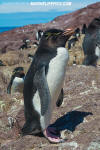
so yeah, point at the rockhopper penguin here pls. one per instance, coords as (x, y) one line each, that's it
(17, 81)
(43, 83)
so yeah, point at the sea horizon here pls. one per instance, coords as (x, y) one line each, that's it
(3, 29)
(10, 21)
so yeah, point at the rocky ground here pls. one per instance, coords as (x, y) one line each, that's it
(78, 118)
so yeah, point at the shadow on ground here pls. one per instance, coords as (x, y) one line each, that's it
(70, 121)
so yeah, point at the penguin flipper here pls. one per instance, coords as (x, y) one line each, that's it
(60, 98)
(10, 85)
(41, 84)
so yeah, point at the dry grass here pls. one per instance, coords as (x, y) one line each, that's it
(76, 52)
(18, 57)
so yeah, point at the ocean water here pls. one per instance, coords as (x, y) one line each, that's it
(2, 29)
(13, 20)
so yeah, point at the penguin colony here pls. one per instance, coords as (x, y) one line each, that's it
(43, 83)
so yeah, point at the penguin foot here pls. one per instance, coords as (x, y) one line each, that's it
(52, 135)
(29, 128)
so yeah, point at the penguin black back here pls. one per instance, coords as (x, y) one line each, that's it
(91, 42)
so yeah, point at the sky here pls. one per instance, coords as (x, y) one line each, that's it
(8, 8)
(13, 6)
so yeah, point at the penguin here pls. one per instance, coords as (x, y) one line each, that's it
(91, 43)
(35, 44)
(43, 83)
(39, 34)
(17, 81)
(72, 42)
(77, 32)
(1, 63)
(84, 28)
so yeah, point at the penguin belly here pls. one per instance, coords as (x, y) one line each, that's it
(17, 85)
(97, 51)
(55, 80)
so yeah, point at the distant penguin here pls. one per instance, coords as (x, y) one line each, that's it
(1, 63)
(30, 57)
(36, 44)
(17, 81)
(39, 34)
(72, 42)
(77, 32)
(25, 44)
(74, 61)
(43, 83)
(84, 28)
(91, 43)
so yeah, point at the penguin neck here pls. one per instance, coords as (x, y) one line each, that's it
(47, 50)
(18, 79)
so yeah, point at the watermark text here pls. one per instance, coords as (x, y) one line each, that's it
(51, 3)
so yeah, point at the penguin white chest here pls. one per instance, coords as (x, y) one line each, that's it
(18, 84)
(97, 51)
(55, 79)
(56, 72)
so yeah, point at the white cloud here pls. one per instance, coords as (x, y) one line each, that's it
(27, 7)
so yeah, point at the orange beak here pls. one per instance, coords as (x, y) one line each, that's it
(68, 31)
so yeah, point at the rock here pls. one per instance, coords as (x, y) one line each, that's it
(66, 134)
(94, 145)
(68, 145)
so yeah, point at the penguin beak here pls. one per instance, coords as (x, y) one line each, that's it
(68, 31)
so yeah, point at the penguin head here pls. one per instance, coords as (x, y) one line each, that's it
(1, 63)
(17, 72)
(40, 32)
(54, 38)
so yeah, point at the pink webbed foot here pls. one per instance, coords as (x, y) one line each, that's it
(52, 136)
